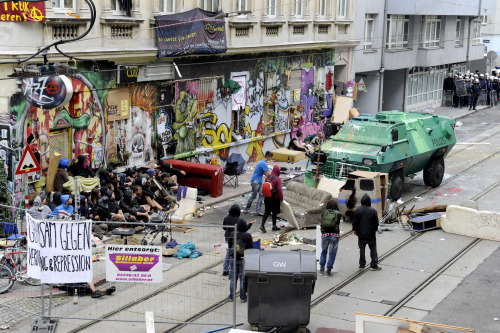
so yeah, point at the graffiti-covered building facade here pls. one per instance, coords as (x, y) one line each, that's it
(282, 65)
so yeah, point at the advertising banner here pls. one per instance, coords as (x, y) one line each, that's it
(133, 263)
(192, 32)
(19, 11)
(59, 251)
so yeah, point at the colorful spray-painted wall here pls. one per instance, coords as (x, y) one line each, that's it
(277, 96)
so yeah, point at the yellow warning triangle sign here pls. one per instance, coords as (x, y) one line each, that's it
(28, 162)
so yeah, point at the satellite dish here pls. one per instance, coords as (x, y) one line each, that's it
(492, 55)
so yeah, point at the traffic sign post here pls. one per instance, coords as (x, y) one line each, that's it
(27, 164)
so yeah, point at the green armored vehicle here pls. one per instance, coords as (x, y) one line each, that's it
(393, 142)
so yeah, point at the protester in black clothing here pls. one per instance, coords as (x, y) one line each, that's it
(231, 220)
(114, 207)
(131, 210)
(295, 144)
(244, 241)
(365, 226)
(56, 200)
(81, 167)
(101, 210)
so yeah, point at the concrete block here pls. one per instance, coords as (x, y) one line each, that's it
(470, 222)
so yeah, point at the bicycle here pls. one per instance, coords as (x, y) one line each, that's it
(14, 267)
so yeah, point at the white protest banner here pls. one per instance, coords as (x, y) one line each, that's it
(59, 251)
(133, 263)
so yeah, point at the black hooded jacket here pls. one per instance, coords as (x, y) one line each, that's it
(102, 210)
(232, 219)
(365, 220)
(77, 168)
(56, 200)
(243, 238)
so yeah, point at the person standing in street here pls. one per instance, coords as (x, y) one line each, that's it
(474, 94)
(232, 219)
(260, 170)
(272, 202)
(244, 241)
(330, 235)
(365, 226)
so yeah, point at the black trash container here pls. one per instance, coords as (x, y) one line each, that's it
(279, 286)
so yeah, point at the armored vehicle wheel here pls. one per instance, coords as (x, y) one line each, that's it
(397, 181)
(434, 172)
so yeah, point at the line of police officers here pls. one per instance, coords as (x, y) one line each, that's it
(469, 88)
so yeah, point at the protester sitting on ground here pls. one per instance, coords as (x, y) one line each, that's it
(87, 288)
(131, 210)
(114, 207)
(113, 186)
(61, 176)
(151, 173)
(39, 210)
(104, 176)
(95, 194)
(65, 210)
(101, 210)
(318, 140)
(56, 200)
(163, 193)
(145, 199)
(81, 167)
(295, 144)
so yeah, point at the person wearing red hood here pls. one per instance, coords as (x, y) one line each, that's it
(272, 204)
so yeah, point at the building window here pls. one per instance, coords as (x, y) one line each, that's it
(397, 31)
(476, 34)
(424, 89)
(242, 5)
(299, 8)
(242, 31)
(458, 31)
(272, 30)
(342, 10)
(167, 6)
(116, 8)
(368, 42)
(323, 29)
(431, 29)
(323, 7)
(271, 8)
(210, 5)
(63, 4)
(299, 30)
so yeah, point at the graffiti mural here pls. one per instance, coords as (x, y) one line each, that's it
(186, 110)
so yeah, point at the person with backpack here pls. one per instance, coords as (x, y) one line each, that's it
(365, 226)
(260, 170)
(330, 235)
(244, 241)
(232, 219)
(273, 195)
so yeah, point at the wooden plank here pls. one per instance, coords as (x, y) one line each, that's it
(150, 322)
(51, 172)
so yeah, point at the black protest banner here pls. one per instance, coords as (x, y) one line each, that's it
(59, 251)
(192, 32)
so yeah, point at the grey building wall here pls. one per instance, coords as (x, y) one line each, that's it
(364, 102)
(394, 90)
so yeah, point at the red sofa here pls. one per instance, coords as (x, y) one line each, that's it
(206, 176)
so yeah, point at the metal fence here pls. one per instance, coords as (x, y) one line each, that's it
(192, 297)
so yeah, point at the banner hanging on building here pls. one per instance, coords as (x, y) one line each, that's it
(193, 32)
(20, 11)
(59, 251)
